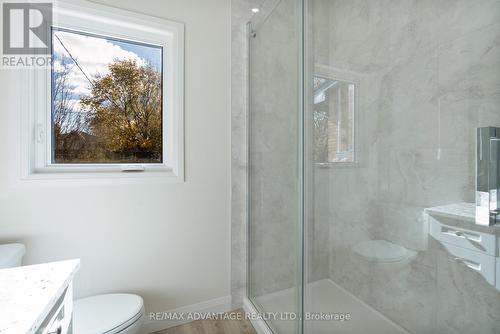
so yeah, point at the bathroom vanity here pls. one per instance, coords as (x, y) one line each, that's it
(37, 299)
(475, 246)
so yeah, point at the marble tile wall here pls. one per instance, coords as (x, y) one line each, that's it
(429, 75)
(274, 204)
(273, 152)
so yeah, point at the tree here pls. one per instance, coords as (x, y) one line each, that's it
(125, 112)
(69, 122)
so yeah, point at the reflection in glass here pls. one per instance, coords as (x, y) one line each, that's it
(334, 128)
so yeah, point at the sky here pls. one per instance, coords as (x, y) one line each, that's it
(93, 54)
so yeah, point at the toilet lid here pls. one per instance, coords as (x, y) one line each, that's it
(381, 251)
(106, 313)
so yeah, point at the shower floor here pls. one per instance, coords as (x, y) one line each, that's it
(325, 296)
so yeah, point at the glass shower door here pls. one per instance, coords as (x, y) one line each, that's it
(362, 188)
(275, 173)
(398, 89)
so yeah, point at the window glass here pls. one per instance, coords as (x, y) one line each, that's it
(106, 100)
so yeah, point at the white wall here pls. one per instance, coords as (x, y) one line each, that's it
(168, 242)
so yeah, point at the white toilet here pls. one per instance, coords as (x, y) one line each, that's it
(384, 253)
(110, 314)
(102, 314)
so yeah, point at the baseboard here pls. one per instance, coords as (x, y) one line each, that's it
(222, 304)
(259, 325)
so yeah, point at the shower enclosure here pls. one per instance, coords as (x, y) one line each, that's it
(362, 166)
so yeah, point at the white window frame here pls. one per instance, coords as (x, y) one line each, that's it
(105, 21)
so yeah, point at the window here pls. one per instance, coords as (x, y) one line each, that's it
(112, 99)
(334, 121)
(106, 100)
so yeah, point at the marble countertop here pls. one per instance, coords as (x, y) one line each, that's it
(461, 215)
(28, 293)
(464, 211)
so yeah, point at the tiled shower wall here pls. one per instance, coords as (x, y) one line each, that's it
(275, 205)
(428, 74)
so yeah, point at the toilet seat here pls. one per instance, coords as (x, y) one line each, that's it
(107, 314)
(381, 251)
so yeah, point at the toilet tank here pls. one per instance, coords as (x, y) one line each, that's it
(11, 255)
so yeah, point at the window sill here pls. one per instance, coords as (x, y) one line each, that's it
(76, 173)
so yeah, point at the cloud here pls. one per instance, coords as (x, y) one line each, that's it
(93, 54)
